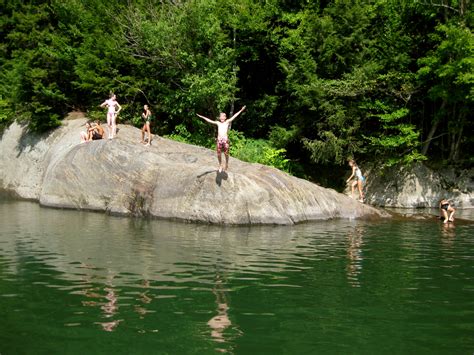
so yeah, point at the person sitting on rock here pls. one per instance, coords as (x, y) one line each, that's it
(445, 208)
(222, 139)
(359, 181)
(87, 134)
(98, 132)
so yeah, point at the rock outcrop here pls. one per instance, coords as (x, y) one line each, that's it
(418, 186)
(166, 180)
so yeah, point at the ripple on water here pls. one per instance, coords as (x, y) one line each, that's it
(297, 288)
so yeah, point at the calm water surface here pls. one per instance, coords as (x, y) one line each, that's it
(86, 283)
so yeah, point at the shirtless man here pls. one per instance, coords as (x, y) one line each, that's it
(222, 138)
(112, 114)
(98, 132)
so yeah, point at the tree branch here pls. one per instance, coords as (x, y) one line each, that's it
(424, 2)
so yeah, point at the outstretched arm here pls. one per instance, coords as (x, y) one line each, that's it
(206, 119)
(236, 114)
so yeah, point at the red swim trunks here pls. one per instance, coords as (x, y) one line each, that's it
(223, 143)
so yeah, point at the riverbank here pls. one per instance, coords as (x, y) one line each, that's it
(418, 186)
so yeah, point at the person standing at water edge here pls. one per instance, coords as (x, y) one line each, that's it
(359, 179)
(222, 137)
(112, 113)
(146, 126)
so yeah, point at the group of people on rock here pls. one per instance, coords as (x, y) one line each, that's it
(94, 130)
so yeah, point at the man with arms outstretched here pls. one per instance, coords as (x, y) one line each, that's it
(222, 138)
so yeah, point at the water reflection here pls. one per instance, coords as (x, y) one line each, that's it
(220, 322)
(448, 234)
(198, 288)
(448, 230)
(354, 254)
(144, 300)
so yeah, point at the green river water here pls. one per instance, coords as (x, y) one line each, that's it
(86, 283)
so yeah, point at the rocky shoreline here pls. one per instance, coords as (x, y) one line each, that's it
(418, 186)
(168, 179)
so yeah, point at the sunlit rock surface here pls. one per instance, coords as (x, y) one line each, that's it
(166, 180)
(418, 186)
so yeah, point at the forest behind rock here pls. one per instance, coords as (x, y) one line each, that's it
(385, 82)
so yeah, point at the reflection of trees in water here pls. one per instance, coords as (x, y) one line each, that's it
(354, 254)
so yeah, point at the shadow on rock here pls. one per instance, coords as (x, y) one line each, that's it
(221, 176)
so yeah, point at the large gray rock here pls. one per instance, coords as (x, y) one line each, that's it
(167, 180)
(418, 186)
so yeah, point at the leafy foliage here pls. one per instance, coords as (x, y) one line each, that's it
(384, 79)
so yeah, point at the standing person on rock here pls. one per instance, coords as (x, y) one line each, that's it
(112, 113)
(147, 116)
(359, 179)
(222, 137)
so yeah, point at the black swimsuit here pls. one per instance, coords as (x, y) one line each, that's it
(445, 206)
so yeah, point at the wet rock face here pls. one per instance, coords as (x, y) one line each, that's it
(418, 186)
(167, 180)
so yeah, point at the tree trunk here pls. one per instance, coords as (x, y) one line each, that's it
(433, 129)
(457, 142)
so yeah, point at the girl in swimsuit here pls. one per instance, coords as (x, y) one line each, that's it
(445, 208)
(359, 181)
(146, 126)
(87, 135)
(112, 114)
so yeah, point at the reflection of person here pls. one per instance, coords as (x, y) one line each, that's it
(359, 179)
(222, 138)
(448, 231)
(112, 113)
(110, 307)
(354, 254)
(220, 322)
(445, 208)
(146, 126)
(144, 299)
